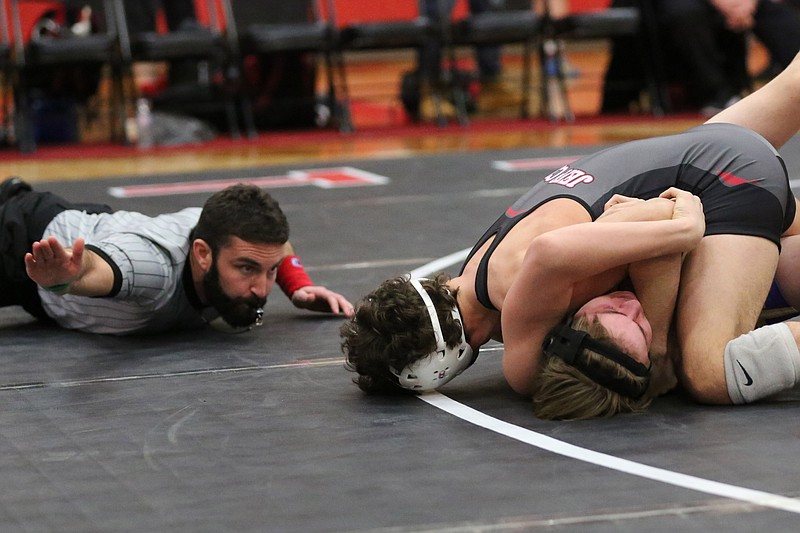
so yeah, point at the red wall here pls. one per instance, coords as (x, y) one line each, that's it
(347, 11)
(368, 10)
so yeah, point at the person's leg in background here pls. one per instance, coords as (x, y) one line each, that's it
(777, 26)
(180, 16)
(429, 58)
(495, 92)
(417, 88)
(488, 58)
(696, 31)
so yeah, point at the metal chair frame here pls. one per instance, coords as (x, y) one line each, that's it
(636, 21)
(101, 48)
(207, 44)
(319, 36)
(503, 27)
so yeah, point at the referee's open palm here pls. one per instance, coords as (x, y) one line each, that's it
(50, 264)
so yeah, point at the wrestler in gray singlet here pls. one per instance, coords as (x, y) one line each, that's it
(740, 178)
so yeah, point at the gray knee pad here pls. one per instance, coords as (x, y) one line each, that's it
(761, 363)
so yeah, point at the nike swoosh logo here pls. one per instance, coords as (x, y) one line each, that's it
(749, 379)
(511, 213)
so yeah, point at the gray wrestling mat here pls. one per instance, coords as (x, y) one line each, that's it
(263, 431)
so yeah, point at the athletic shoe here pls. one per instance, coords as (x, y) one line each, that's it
(498, 95)
(427, 109)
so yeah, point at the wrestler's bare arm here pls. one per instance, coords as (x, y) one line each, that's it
(580, 251)
(535, 303)
(559, 261)
(72, 270)
(655, 282)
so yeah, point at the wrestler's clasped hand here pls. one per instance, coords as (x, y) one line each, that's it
(687, 206)
(621, 208)
(620, 199)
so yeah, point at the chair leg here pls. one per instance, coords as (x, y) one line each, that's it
(653, 60)
(118, 109)
(246, 108)
(562, 84)
(455, 88)
(436, 96)
(651, 66)
(330, 90)
(230, 117)
(527, 52)
(5, 87)
(338, 101)
(655, 92)
(555, 83)
(343, 108)
(460, 101)
(23, 127)
(544, 94)
(229, 97)
(240, 100)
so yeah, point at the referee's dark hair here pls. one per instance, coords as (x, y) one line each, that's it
(242, 211)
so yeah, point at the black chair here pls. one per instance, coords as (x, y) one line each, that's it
(316, 34)
(414, 33)
(513, 26)
(45, 54)
(638, 22)
(203, 44)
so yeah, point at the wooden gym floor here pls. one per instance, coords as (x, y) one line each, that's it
(382, 129)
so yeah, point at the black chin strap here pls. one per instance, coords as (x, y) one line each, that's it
(566, 343)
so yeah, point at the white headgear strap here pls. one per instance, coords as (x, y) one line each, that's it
(443, 364)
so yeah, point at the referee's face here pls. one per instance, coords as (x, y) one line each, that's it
(237, 280)
(248, 270)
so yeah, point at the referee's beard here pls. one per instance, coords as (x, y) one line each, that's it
(238, 312)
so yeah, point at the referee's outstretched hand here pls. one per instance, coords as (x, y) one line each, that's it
(50, 264)
(317, 298)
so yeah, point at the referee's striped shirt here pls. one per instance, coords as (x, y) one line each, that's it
(147, 254)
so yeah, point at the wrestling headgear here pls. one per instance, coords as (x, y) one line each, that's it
(566, 343)
(443, 364)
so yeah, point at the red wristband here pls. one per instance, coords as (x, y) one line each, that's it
(291, 275)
